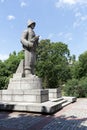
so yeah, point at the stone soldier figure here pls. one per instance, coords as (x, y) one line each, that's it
(29, 41)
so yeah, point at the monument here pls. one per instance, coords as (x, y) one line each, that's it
(25, 73)
(29, 41)
(24, 92)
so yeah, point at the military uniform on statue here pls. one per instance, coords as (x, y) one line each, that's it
(25, 72)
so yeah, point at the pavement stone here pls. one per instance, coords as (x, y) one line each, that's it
(71, 117)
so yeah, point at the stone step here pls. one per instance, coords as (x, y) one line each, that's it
(57, 99)
(66, 103)
(62, 101)
(46, 107)
(70, 99)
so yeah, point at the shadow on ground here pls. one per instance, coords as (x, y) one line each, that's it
(67, 123)
(30, 121)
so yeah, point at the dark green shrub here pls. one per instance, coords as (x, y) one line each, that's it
(82, 88)
(70, 88)
(76, 87)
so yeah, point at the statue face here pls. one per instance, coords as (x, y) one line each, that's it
(32, 26)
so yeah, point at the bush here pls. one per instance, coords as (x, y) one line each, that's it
(82, 89)
(76, 87)
(70, 88)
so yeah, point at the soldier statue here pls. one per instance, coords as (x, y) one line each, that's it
(29, 41)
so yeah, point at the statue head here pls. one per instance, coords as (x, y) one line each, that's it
(30, 23)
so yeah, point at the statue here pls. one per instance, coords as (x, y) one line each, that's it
(29, 41)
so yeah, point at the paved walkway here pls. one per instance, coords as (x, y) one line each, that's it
(72, 117)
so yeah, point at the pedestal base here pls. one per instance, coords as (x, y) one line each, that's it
(46, 107)
(28, 96)
(54, 93)
(28, 100)
(33, 101)
(25, 93)
(31, 82)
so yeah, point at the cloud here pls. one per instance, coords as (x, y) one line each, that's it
(77, 14)
(62, 3)
(65, 36)
(85, 35)
(10, 17)
(68, 36)
(60, 34)
(3, 57)
(83, 18)
(2, 1)
(23, 4)
(51, 35)
(80, 19)
(76, 24)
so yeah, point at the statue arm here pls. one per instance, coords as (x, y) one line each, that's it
(34, 39)
(24, 38)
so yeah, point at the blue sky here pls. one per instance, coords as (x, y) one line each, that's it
(57, 20)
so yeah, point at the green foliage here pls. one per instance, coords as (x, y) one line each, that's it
(74, 70)
(83, 65)
(12, 62)
(75, 87)
(70, 88)
(82, 89)
(78, 69)
(52, 63)
(8, 67)
(2, 74)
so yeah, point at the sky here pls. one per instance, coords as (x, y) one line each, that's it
(58, 20)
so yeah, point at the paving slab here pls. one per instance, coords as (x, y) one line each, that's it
(71, 117)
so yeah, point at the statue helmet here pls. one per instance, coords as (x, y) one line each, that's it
(30, 22)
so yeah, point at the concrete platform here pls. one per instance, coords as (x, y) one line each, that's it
(33, 100)
(70, 99)
(46, 107)
(29, 96)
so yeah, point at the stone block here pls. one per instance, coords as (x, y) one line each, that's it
(6, 92)
(17, 92)
(30, 98)
(25, 83)
(70, 99)
(54, 93)
(6, 98)
(17, 98)
(0, 92)
(20, 107)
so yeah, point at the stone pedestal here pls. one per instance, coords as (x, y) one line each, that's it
(54, 93)
(31, 82)
(25, 93)
(28, 96)
(19, 81)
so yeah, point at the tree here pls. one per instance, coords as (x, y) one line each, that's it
(2, 74)
(52, 63)
(77, 85)
(79, 68)
(83, 65)
(8, 67)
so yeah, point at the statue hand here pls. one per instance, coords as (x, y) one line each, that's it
(36, 38)
(30, 44)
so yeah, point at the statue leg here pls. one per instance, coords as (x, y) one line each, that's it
(27, 67)
(33, 60)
